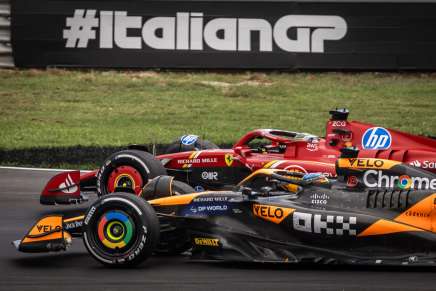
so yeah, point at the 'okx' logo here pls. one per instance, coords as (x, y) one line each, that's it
(373, 178)
(376, 138)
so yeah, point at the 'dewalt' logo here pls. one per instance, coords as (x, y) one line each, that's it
(205, 241)
(272, 213)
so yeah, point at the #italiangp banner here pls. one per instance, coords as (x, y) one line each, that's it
(258, 35)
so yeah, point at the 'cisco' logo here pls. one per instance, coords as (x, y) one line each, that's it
(376, 138)
(189, 139)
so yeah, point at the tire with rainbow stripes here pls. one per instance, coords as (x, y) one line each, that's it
(121, 229)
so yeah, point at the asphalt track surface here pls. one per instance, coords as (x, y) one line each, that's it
(76, 270)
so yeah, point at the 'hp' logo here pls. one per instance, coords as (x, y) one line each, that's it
(189, 139)
(376, 138)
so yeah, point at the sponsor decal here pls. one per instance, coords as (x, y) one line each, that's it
(228, 158)
(416, 164)
(319, 199)
(424, 164)
(90, 214)
(44, 228)
(209, 208)
(213, 208)
(324, 224)
(413, 259)
(366, 163)
(376, 138)
(209, 205)
(373, 178)
(212, 176)
(204, 241)
(193, 159)
(188, 139)
(339, 123)
(429, 165)
(211, 199)
(68, 187)
(191, 31)
(271, 213)
(198, 188)
(404, 182)
(416, 214)
(198, 161)
(312, 147)
(74, 224)
(132, 255)
(352, 181)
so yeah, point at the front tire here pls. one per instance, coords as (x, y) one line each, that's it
(120, 229)
(127, 171)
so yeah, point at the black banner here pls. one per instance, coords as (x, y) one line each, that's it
(202, 34)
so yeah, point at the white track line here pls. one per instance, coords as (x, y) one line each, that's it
(41, 169)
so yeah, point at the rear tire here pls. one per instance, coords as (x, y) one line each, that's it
(180, 188)
(196, 145)
(127, 171)
(174, 239)
(120, 229)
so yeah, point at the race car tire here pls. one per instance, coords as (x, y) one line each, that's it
(127, 171)
(120, 229)
(178, 146)
(165, 186)
(181, 188)
(174, 238)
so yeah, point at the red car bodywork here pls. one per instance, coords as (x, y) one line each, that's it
(218, 168)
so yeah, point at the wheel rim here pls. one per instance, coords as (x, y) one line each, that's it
(125, 177)
(115, 230)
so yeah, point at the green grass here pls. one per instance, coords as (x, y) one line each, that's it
(64, 108)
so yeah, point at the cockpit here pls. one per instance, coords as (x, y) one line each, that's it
(271, 140)
(271, 182)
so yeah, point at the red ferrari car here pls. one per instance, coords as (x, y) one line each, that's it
(203, 166)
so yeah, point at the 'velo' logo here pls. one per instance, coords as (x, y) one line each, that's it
(271, 213)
